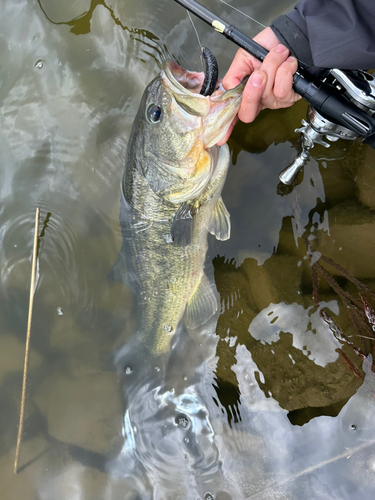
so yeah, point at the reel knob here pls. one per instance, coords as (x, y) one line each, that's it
(289, 174)
(313, 133)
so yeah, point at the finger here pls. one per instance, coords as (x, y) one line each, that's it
(242, 65)
(282, 89)
(271, 64)
(227, 135)
(252, 96)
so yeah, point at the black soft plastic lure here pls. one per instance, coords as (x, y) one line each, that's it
(211, 72)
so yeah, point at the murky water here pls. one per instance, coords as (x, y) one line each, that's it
(263, 401)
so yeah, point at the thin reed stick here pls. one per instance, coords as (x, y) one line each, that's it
(27, 349)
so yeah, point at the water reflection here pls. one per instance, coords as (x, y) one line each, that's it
(325, 468)
(269, 405)
(81, 24)
(306, 326)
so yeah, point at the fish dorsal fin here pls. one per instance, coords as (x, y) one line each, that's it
(118, 271)
(202, 305)
(121, 271)
(219, 224)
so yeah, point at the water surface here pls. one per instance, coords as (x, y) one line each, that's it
(260, 402)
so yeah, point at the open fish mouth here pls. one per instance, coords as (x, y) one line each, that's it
(186, 81)
(217, 110)
(205, 83)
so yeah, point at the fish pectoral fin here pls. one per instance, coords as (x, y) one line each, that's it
(185, 211)
(183, 225)
(219, 224)
(202, 305)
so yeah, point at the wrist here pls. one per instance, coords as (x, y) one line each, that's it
(267, 39)
(293, 38)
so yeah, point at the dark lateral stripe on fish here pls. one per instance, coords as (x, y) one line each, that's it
(211, 72)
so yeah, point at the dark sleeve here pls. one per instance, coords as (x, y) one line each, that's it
(330, 33)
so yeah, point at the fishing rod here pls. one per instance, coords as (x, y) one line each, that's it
(341, 102)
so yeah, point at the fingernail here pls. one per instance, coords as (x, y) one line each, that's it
(291, 59)
(256, 80)
(280, 48)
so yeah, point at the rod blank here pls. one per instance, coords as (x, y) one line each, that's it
(229, 31)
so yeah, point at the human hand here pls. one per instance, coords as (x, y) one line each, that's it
(270, 82)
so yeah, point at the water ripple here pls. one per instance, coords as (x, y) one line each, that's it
(66, 256)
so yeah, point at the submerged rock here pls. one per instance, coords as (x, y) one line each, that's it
(365, 179)
(338, 183)
(86, 346)
(48, 471)
(35, 462)
(83, 351)
(293, 349)
(12, 356)
(296, 381)
(84, 411)
(277, 280)
(351, 239)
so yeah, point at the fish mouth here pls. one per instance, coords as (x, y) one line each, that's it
(188, 82)
(183, 79)
(216, 110)
(205, 83)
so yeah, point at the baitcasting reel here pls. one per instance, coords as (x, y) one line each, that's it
(356, 86)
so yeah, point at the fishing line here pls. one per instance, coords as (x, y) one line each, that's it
(243, 13)
(196, 32)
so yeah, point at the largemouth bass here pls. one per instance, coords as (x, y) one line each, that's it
(174, 175)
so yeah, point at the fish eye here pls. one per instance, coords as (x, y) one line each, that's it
(154, 113)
